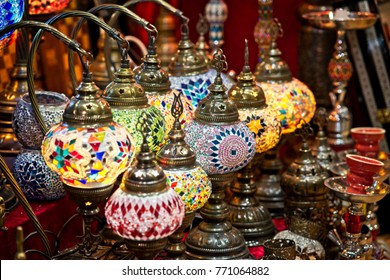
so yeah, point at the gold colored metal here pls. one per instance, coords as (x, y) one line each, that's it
(303, 183)
(124, 91)
(175, 248)
(151, 76)
(383, 115)
(215, 238)
(274, 68)
(217, 107)
(166, 42)
(187, 60)
(146, 250)
(246, 214)
(202, 27)
(19, 255)
(87, 107)
(176, 153)
(246, 93)
(321, 149)
(2, 214)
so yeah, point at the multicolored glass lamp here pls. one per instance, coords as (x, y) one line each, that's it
(216, 12)
(223, 145)
(144, 210)
(45, 7)
(251, 218)
(189, 71)
(262, 37)
(11, 12)
(129, 102)
(184, 176)
(292, 98)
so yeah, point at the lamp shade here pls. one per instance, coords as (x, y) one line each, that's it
(11, 11)
(221, 142)
(88, 149)
(43, 7)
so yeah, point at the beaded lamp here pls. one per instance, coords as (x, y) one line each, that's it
(216, 12)
(222, 145)
(129, 102)
(251, 218)
(292, 98)
(189, 71)
(184, 176)
(144, 210)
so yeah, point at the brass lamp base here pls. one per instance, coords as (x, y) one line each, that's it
(88, 200)
(246, 214)
(215, 238)
(146, 250)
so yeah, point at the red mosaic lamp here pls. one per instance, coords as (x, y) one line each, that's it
(144, 210)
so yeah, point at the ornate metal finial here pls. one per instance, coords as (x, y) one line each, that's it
(320, 118)
(219, 62)
(20, 254)
(142, 128)
(177, 107)
(246, 68)
(202, 26)
(275, 29)
(2, 214)
(304, 130)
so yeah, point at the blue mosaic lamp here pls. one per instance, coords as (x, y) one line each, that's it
(189, 71)
(11, 11)
(223, 145)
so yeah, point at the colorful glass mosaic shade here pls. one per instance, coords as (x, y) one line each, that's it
(164, 104)
(144, 217)
(192, 185)
(88, 157)
(221, 149)
(156, 129)
(294, 101)
(195, 87)
(41, 7)
(264, 124)
(11, 11)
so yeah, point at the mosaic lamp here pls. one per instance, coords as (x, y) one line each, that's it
(189, 71)
(11, 12)
(184, 176)
(251, 218)
(144, 210)
(223, 145)
(216, 12)
(152, 77)
(292, 98)
(89, 151)
(129, 102)
(44, 7)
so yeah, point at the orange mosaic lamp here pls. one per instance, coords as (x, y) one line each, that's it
(291, 97)
(44, 7)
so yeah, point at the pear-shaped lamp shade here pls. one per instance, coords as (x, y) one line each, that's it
(128, 103)
(44, 7)
(88, 149)
(11, 11)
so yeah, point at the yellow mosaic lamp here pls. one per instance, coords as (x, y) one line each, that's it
(291, 97)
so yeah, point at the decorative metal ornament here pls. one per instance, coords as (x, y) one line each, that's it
(222, 145)
(303, 184)
(190, 72)
(321, 150)
(293, 99)
(184, 176)
(129, 102)
(144, 210)
(201, 45)
(216, 12)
